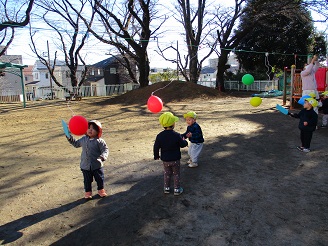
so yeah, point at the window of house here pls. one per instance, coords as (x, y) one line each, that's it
(112, 70)
(36, 76)
(47, 76)
(26, 78)
(99, 71)
(92, 72)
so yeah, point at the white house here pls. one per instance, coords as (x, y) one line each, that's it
(43, 81)
(61, 72)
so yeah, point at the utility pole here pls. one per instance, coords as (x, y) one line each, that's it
(50, 80)
(177, 60)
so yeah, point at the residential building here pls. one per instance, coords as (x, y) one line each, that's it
(109, 71)
(29, 83)
(10, 80)
(43, 84)
(232, 61)
(207, 74)
(61, 73)
(28, 74)
(159, 70)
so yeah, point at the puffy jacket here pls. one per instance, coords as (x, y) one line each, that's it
(92, 150)
(309, 116)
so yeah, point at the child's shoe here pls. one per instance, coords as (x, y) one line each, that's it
(306, 150)
(102, 193)
(300, 148)
(166, 190)
(178, 191)
(193, 164)
(88, 195)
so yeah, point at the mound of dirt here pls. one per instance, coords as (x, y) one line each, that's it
(168, 91)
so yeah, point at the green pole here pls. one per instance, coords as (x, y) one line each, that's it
(23, 87)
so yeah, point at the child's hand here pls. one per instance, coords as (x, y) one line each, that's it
(305, 123)
(189, 135)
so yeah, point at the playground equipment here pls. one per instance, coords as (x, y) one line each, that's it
(295, 90)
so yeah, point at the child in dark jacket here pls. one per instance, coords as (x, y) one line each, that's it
(195, 135)
(167, 148)
(307, 124)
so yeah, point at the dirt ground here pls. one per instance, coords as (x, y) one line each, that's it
(252, 186)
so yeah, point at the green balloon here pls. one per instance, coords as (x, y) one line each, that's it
(247, 79)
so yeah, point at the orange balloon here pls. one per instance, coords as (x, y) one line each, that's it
(154, 104)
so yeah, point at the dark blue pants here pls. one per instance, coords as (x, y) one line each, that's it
(306, 138)
(88, 176)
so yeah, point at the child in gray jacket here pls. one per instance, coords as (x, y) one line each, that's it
(94, 153)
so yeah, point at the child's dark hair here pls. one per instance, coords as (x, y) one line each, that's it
(94, 126)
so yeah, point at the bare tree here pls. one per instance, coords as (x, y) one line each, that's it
(317, 6)
(11, 18)
(226, 19)
(196, 22)
(72, 38)
(230, 35)
(126, 26)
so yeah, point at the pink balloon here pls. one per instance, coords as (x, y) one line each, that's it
(78, 125)
(154, 104)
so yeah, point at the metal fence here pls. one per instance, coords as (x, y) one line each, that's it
(258, 85)
(108, 90)
(45, 93)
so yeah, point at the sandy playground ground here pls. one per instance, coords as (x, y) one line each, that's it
(252, 187)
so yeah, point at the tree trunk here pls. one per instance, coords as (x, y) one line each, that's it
(193, 67)
(143, 67)
(74, 81)
(223, 58)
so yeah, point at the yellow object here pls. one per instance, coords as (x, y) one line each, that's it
(325, 93)
(167, 119)
(190, 114)
(312, 94)
(256, 101)
(312, 101)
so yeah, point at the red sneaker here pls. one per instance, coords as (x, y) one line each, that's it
(102, 193)
(88, 195)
